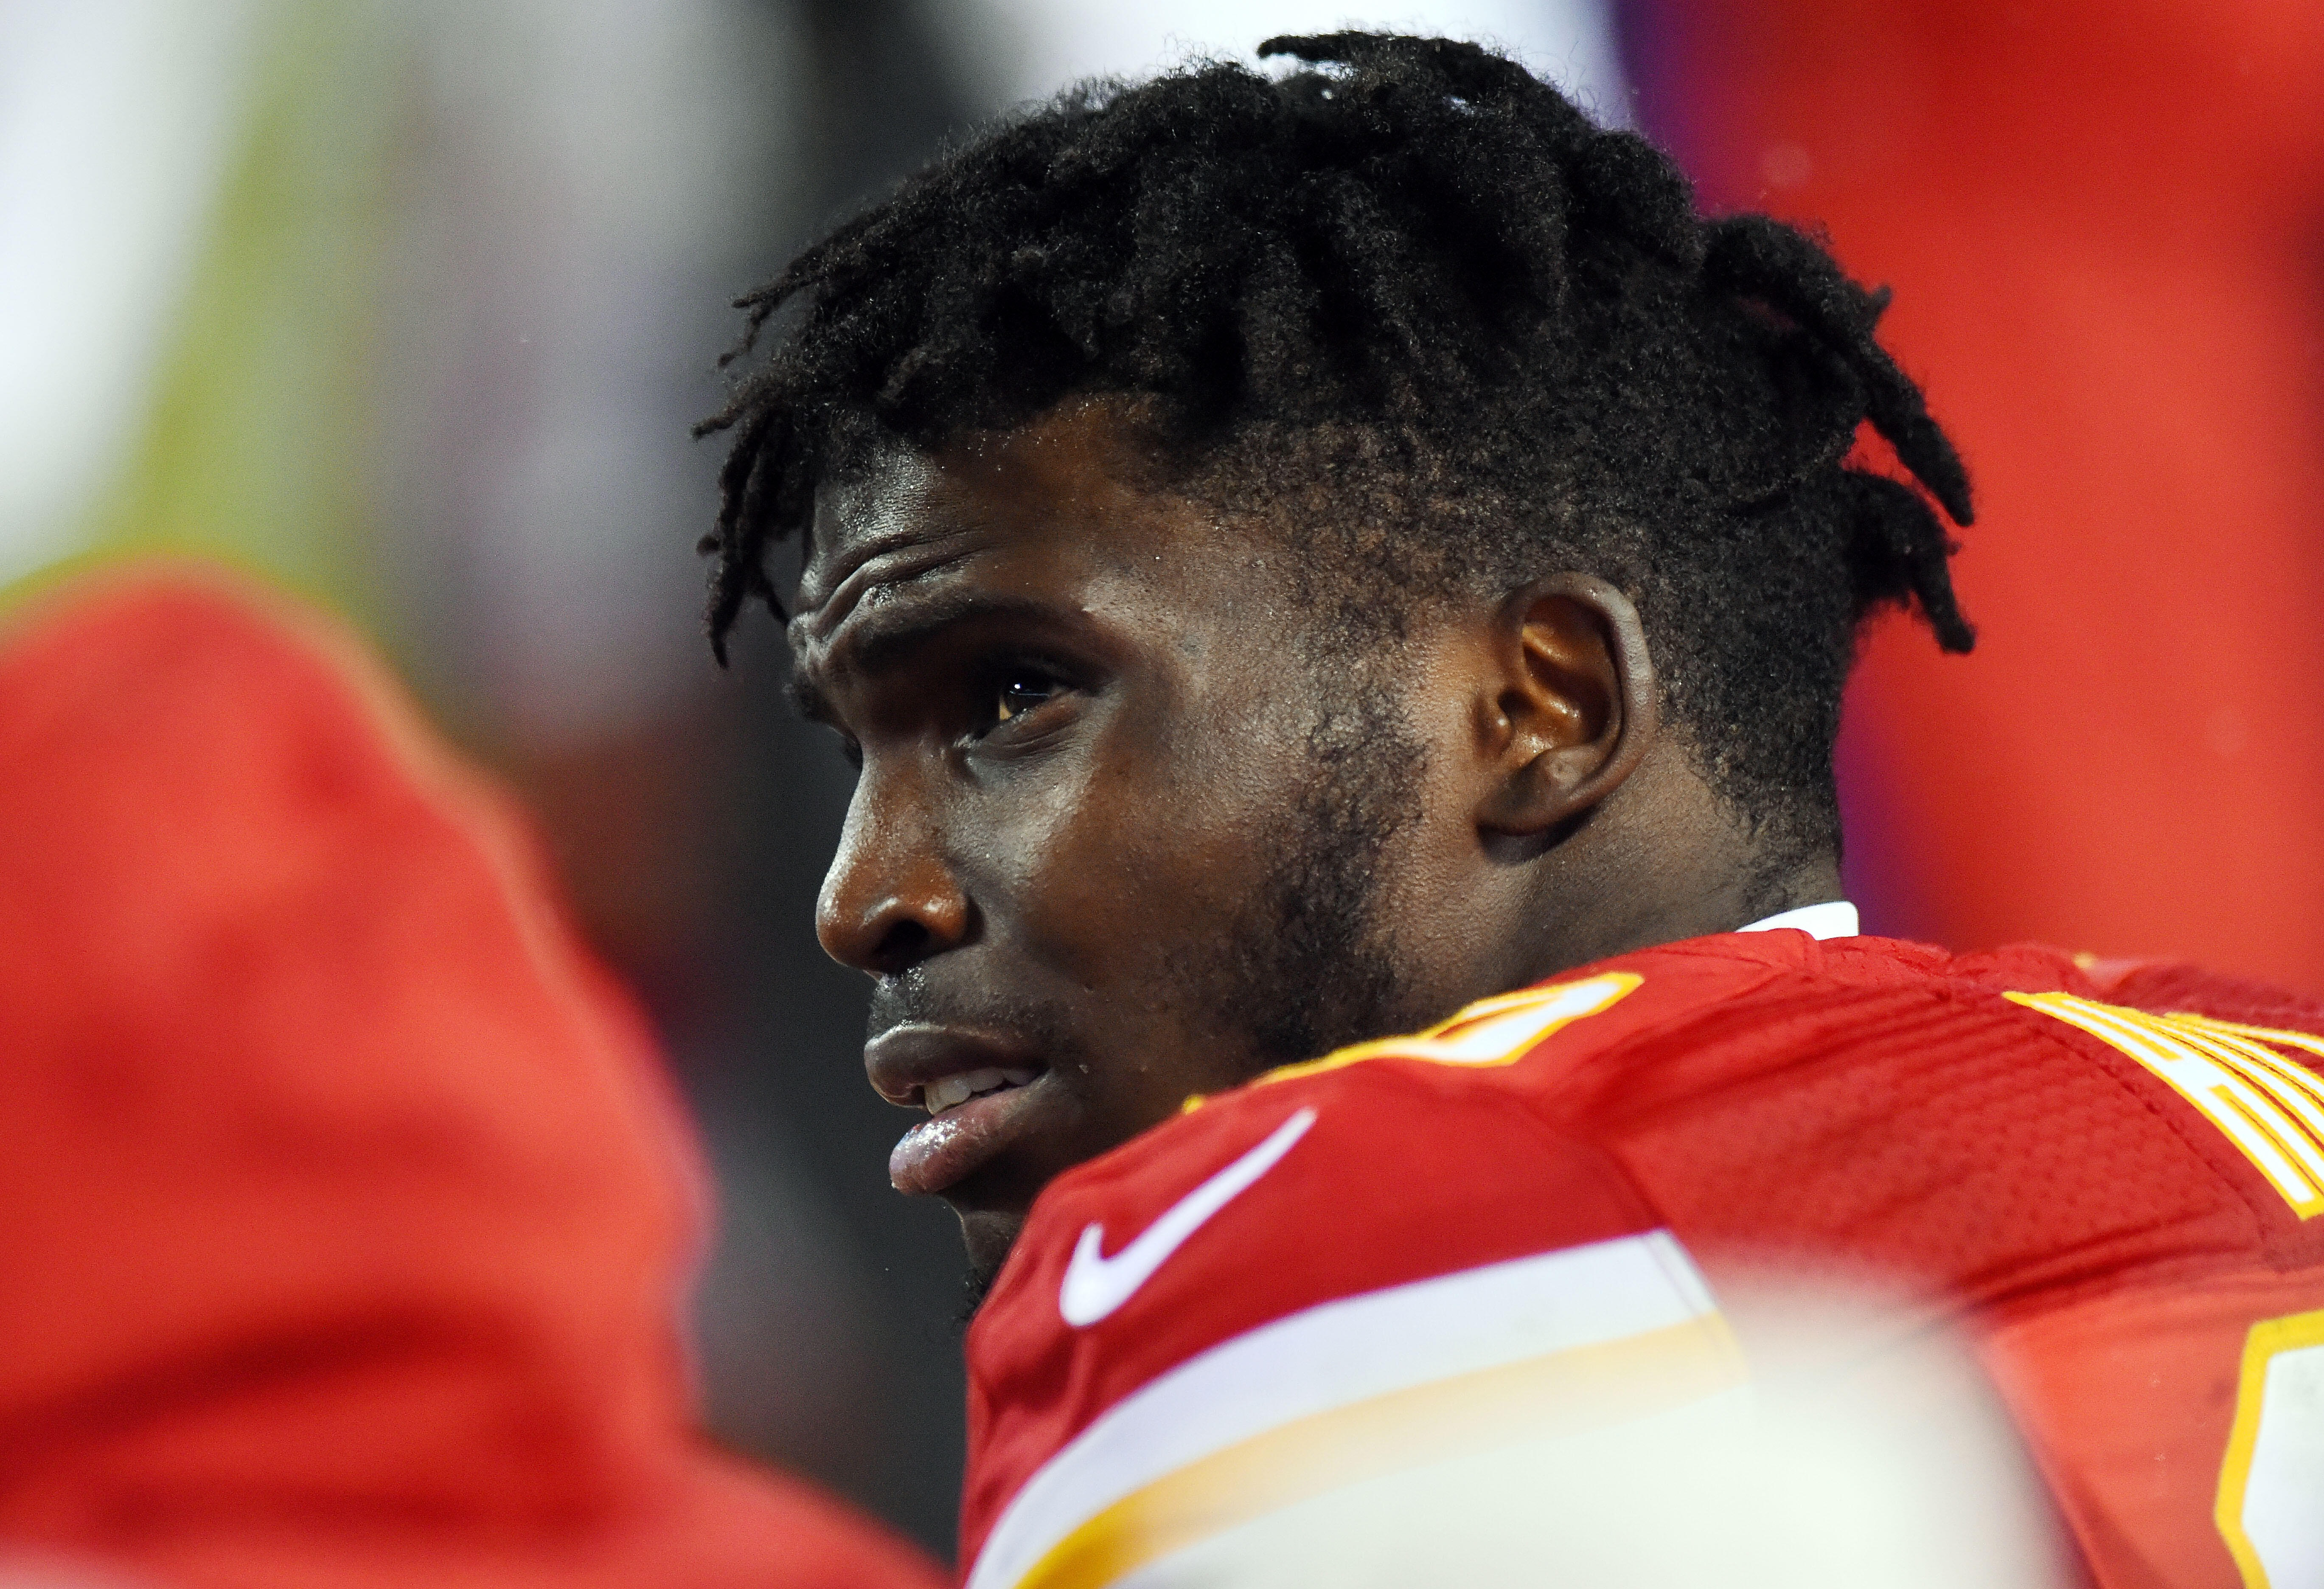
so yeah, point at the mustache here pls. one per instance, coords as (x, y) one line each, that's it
(1045, 1026)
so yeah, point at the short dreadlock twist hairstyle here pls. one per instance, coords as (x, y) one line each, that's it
(1415, 282)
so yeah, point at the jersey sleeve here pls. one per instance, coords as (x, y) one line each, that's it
(1231, 1330)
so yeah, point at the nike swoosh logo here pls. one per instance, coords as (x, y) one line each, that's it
(1095, 1285)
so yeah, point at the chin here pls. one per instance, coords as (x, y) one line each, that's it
(987, 1234)
(975, 1286)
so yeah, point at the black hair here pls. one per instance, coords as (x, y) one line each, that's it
(1413, 281)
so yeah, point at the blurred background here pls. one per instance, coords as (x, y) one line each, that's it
(408, 305)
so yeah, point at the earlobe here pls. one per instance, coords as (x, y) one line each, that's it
(1575, 707)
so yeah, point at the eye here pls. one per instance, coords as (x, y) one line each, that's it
(1021, 690)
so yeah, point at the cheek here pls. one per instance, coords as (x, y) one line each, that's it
(1155, 843)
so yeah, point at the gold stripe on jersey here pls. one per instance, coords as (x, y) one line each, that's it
(2270, 1106)
(1573, 1392)
(1498, 1030)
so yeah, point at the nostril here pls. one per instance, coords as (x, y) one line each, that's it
(906, 943)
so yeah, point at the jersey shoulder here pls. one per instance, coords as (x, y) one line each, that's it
(1281, 1253)
(1370, 1250)
(1396, 1224)
(2024, 1124)
(1380, 1164)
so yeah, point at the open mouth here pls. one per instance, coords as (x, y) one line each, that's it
(981, 1092)
(975, 1115)
(950, 1092)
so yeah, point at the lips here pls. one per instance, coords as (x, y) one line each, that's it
(983, 1093)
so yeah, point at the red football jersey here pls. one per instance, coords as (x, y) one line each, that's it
(1359, 1285)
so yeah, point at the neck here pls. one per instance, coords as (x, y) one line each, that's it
(1664, 860)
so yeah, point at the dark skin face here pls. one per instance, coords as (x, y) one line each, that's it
(1089, 717)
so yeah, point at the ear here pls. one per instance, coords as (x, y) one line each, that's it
(1573, 709)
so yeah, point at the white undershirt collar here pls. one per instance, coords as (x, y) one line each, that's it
(1832, 919)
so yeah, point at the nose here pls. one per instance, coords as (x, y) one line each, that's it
(890, 900)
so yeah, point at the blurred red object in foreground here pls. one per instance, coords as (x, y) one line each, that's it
(343, 1216)
(2105, 225)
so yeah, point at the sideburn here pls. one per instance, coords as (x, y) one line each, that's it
(1313, 965)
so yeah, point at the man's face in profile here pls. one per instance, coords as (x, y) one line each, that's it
(1121, 833)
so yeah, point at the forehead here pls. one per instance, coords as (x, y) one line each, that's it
(1057, 501)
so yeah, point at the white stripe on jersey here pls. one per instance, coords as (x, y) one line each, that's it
(1354, 1350)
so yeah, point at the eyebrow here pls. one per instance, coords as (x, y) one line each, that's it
(808, 701)
(876, 645)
